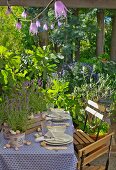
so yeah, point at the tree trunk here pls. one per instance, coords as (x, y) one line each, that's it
(113, 39)
(44, 38)
(77, 52)
(100, 33)
(77, 41)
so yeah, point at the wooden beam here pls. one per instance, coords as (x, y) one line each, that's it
(103, 4)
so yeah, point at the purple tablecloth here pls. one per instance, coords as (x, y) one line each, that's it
(35, 157)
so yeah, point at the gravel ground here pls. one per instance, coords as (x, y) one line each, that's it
(102, 160)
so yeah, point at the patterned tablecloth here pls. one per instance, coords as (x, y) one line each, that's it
(35, 157)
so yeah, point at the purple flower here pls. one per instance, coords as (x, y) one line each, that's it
(45, 27)
(26, 84)
(9, 11)
(59, 23)
(24, 14)
(33, 28)
(60, 9)
(40, 83)
(38, 24)
(52, 26)
(18, 25)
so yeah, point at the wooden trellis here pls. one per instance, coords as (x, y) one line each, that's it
(103, 4)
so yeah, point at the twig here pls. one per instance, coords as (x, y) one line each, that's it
(33, 18)
(44, 9)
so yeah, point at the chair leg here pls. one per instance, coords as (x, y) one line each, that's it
(107, 163)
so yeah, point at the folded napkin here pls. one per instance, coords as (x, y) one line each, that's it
(56, 147)
(40, 139)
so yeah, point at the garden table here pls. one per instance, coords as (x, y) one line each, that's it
(35, 157)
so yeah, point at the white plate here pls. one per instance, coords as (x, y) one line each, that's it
(59, 116)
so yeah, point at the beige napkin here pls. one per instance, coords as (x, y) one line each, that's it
(56, 147)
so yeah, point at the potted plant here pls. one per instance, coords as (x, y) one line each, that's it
(15, 115)
(93, 129)
(17, 123)
(37, 99)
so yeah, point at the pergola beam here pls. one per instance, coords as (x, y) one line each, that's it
(103, 4)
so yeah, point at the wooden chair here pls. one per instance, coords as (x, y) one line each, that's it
(89, 153)
(80, 137)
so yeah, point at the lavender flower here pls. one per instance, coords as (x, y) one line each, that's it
(24, 14)
(45, 27)
(60, 9)
(59, 23)
(9, 11)
(18, 25)
(38, 24)
(26, 84)
(52, 26)
(33, 28)
(40, 83)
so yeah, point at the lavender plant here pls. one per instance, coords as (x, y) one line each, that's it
(17, 109)
(38, 99)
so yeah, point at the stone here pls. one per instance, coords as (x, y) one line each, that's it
(7, 145)
(12, 132)
(36, 135)
(38, 129)
(16, 149)
(43, 144)
(17, 131)
(29, 143)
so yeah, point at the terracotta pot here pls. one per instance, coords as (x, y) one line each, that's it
(17, 140)
(93, 136)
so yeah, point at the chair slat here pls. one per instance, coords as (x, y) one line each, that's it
(98, 167)
(91, 103)
(95, 145)
(76, 137)
(93, 112)
(75, 141)
(95, 155)
(82, 137)
(86, 136)
(97, 106)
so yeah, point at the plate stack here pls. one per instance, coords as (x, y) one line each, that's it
(56, 136)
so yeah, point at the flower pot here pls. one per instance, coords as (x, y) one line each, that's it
(6, 132)
(17, 140)
(93, 136)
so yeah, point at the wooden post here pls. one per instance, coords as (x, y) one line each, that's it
(101, 4)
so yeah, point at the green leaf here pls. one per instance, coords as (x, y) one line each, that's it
(5, 76)
(29, 52)
(2, 50)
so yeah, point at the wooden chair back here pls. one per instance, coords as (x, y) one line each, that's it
(92, 113)
(95, 150)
